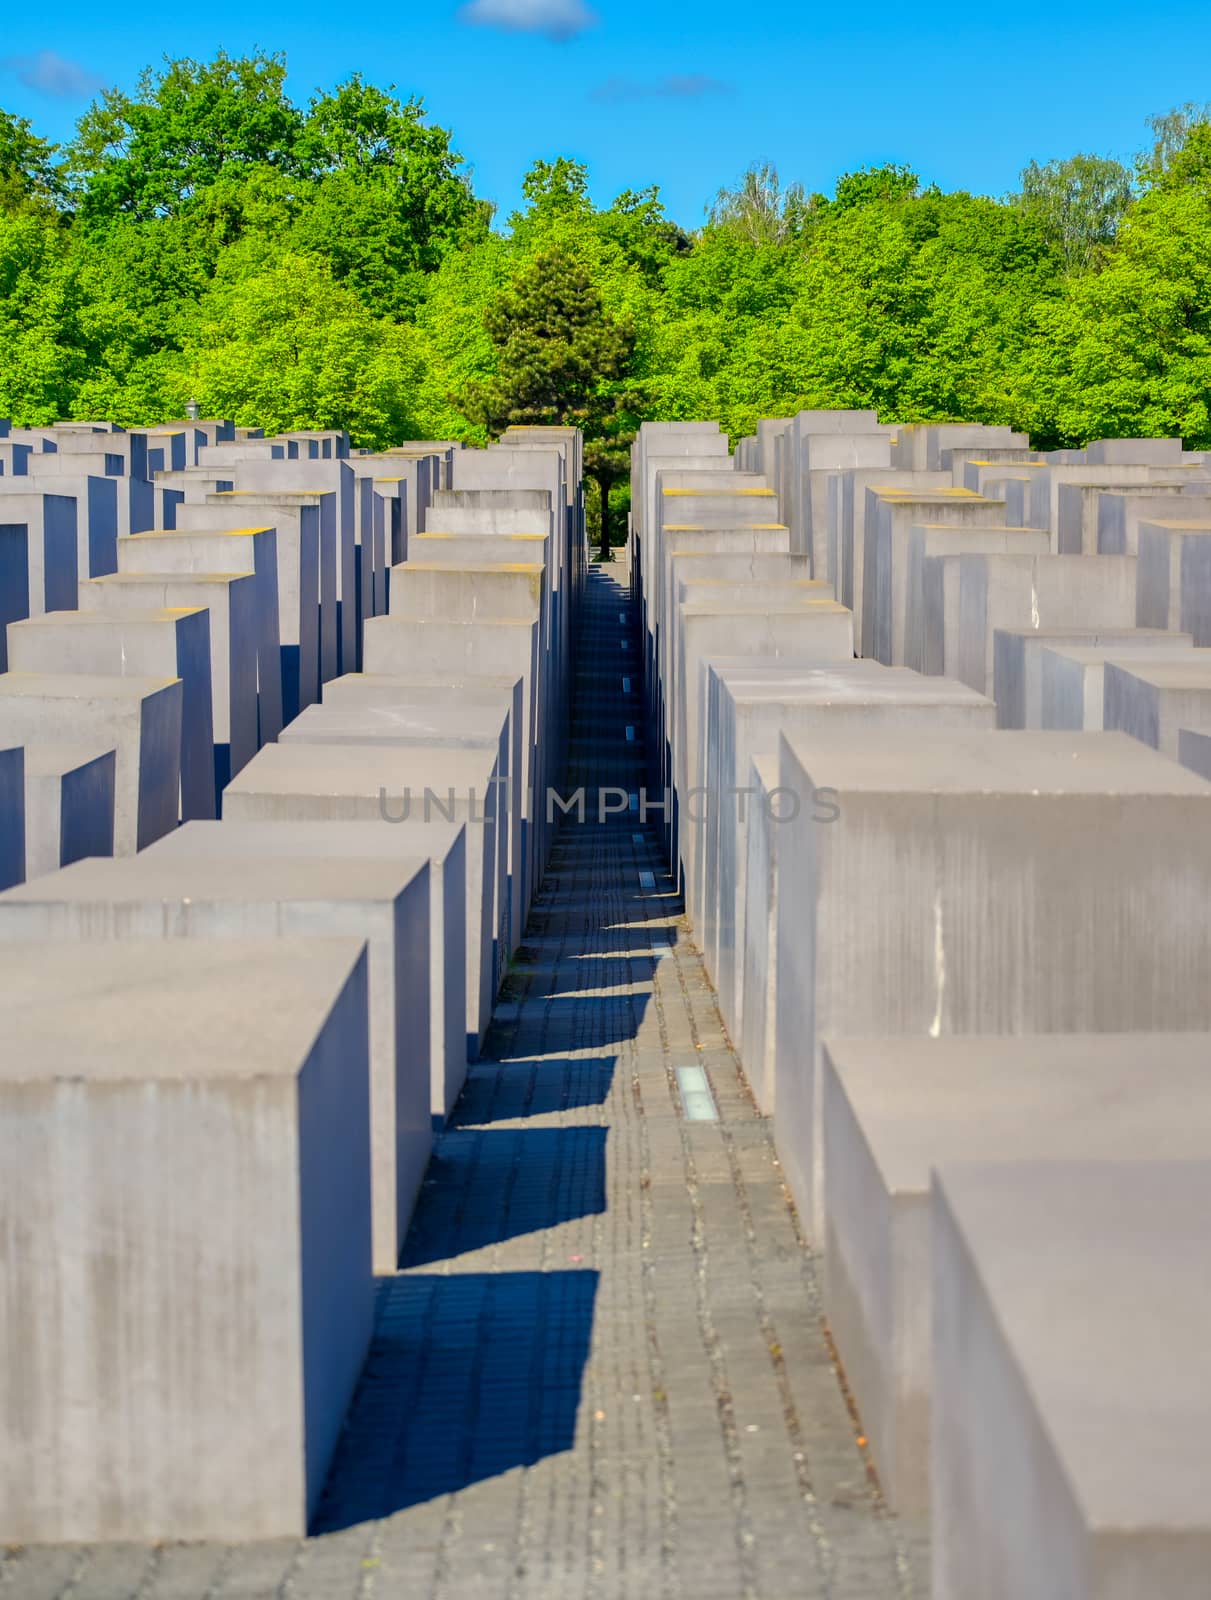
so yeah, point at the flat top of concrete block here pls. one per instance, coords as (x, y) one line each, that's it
(768, 668)
(53, 759)
(457, 622)
(268, 496)
(171, 578)
(1146, 638)
(841, 688)
(505, 538)
(1178, 524)
(534, 570)
(922, 1102)
(926, 497)
(335, 769)
(980, 530)
(196, 533)
(802, 587)
(79, 686)
(144, 878)
(698, 527)
(168, 1010)
(96, 619)
(736, 604)
(452, 718)
(713, 492)
(1097, 655)
(237, 839)
(488, 684)
(1187, 669)
(1097, 1274)
(984, 761)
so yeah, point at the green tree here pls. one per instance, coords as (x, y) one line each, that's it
(29, 179)
(148, 154)
(1127, 351)
(561, 358)
(387, 200)
(1170, 130)
(1078, 203)
(277, 342)
(871, 184)
(759, 210)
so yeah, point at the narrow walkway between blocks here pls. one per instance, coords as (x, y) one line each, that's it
(601, 1372)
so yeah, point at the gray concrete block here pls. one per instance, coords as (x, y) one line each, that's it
(440, 725)
(12, 815)
(1017, 662)
(759, 959)
(1153, 700)
(231, 601)
(1019, 591)
(890, 517)
(1175, 577)
(959, 886)
(851, 533)
(1120, 512)
(1071, 679)
(364, 783)
(747, 710)
(240, 551)
(303, 524)
(931, 604)
(820, 630)
(442, 844)
(69, 805)
(139, 718)
(895, 1109)
(386, 902)
(160, 643)
(1072, 1316)
(1194, 751)
(37, 557)
(193, 1299)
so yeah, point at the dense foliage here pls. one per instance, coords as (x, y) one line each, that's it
(330, 265)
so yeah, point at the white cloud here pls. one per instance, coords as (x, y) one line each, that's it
(554, 19)
(54, 75)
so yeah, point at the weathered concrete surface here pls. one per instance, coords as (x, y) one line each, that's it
(442, 844)
(1072, 679)
(894, 1109)
(1016, 591)
(1017, 662)
(1072, 1314)
(140, 718)
(240, 550)
(1154, 700)
(193, 1206)
(384, 902)
(960, 885)
(167, 642)
(231, 601)
(336, 783)
(69, 805)
(12, 815)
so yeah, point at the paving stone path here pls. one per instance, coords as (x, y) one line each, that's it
(601, 1371)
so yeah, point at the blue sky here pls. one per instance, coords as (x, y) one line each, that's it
(683, 96)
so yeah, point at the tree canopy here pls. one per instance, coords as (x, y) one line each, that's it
(328, 262)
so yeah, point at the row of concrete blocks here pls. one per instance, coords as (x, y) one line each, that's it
(275, 618)
(939, 946)
(223, 1056)
(249, 619)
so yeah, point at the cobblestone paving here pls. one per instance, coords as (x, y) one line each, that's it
(601, 1371)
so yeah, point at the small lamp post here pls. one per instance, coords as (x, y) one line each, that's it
(193, 410)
